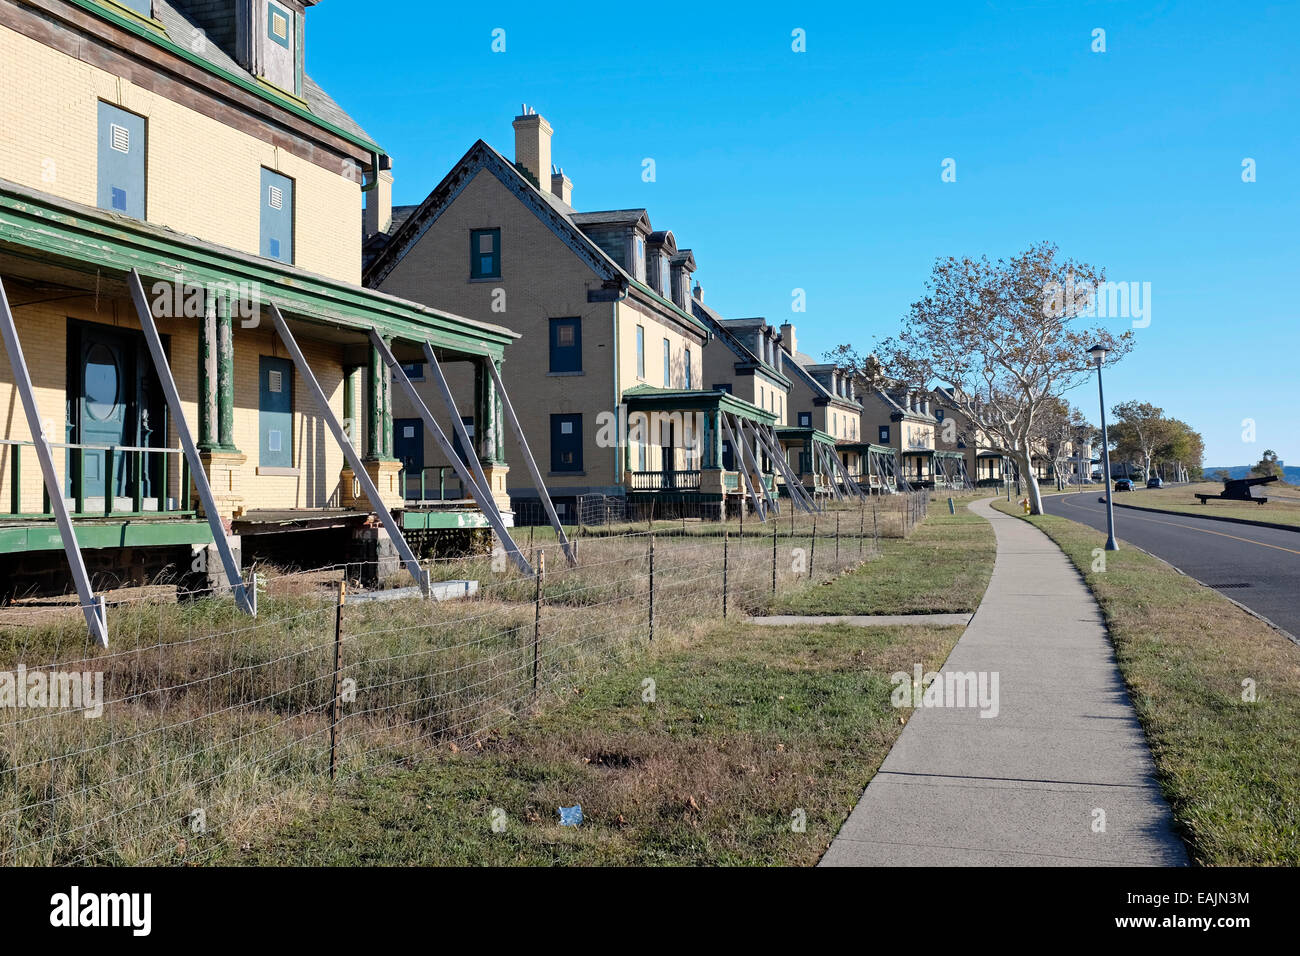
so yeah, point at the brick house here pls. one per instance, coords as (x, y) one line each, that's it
(183, 140)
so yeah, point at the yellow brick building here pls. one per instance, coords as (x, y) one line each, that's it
(182, 140)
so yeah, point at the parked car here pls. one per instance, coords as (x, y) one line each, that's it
(1123, 484)
(1155, 482)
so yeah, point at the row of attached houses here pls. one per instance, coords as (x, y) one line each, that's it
(208, 358)
(195, 371)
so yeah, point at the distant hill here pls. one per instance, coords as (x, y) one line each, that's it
(1290, 473)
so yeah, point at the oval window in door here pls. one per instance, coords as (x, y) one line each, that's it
(102, 382)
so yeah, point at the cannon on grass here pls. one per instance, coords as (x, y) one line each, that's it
(1238, 489)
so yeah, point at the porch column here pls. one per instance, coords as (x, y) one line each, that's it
(374, 406)
(222, 460)
(225, 375)
(377, 455)
(207, 398)
(713, 440)
(489, 430)
(386, 432)
(351, 376)
(488, 416)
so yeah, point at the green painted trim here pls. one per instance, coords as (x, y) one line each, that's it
(443, 520)
(94, 241)
(652, 397)
(144, 28)
(123, 534)
(135, 15)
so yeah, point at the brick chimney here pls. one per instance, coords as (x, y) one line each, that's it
(561, 186)
(379, 204)
(533, 145)
(787, 337)
(698, 292)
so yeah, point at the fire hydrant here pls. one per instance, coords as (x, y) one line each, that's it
(1025, 503)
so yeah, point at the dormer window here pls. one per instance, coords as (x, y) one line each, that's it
(665, 280)
(638, 258)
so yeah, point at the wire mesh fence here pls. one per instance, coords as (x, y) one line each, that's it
(198, 727)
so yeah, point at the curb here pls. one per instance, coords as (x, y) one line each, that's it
(1187, 514)
(1251, 611)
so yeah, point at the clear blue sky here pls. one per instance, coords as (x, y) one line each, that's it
(821, 170)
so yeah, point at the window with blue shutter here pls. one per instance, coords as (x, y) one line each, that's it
(276, 241)
(275, 412)
(640, 352)
(668, 364)
(121, 153)
(688, 367)
(566, 443)
(566, 345)
(485, 253)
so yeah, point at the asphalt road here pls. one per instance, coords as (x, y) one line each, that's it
(1216, 553)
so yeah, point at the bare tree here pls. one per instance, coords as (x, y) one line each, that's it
(1005, 336)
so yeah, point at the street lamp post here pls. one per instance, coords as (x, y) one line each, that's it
(1098, 353)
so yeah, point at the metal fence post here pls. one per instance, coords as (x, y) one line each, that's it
(652, 587)
(812, 551)
(537, 614)
(726, 540)
(335, 703)
(862, 526)
(774, 557)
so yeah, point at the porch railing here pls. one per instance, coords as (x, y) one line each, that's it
(134, 481)
(423, 487)
(666, 481)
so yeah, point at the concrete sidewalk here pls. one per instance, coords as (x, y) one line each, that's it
(1022, 788)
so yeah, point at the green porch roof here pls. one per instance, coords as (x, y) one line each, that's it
(653, 398)
(864, 447)
(803, 433)
(83, 239)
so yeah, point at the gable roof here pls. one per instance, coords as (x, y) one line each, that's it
(800, 362)
(390, 248)
(725, 335)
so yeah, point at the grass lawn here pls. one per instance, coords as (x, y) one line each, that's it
(1281, 508)
(749, 728)
(1229, 768)
(943, 567)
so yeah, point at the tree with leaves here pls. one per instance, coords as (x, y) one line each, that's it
(1184, 448)
(1146, 427)
(1267, 465)
(1005, 336)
